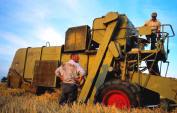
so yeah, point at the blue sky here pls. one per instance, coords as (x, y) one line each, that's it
(25, 23)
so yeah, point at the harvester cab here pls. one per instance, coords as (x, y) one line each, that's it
(111, 53)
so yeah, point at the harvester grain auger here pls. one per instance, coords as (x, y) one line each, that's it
(111, 53)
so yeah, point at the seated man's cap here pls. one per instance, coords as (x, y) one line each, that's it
(154, 14)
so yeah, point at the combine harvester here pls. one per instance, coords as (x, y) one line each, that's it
(111, 53)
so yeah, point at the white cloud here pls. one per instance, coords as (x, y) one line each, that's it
(13, 39)
(6, 50)
(31, 12)
(11, 43)
(49, 34)
(72, 4)
(40, 12)
(33, 16)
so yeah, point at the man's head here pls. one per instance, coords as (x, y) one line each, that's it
(75, 57)
(154, 15)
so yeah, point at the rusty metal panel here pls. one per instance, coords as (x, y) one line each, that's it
(166, 87)
(44, 73)
(98, 61)
(19, 61)
(33, 55)
(121, 34)
(65, 57)
(14, 79)
(144, 30)
(91, 62)
(77, 38)
(51, 53)
(102, 73)
(98, 30)
(83, 61)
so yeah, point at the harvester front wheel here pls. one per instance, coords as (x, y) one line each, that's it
(123, 95)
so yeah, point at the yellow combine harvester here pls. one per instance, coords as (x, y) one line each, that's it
(111, 53)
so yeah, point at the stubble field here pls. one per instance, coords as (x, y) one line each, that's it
(20, 101)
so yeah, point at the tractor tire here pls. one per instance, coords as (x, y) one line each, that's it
(118, 93)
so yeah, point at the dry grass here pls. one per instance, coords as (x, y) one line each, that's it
(4, 91)
(18, 101)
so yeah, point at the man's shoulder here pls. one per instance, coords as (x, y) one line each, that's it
(158, 21)
(147, 22)
(61, 66)
(73, 62)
